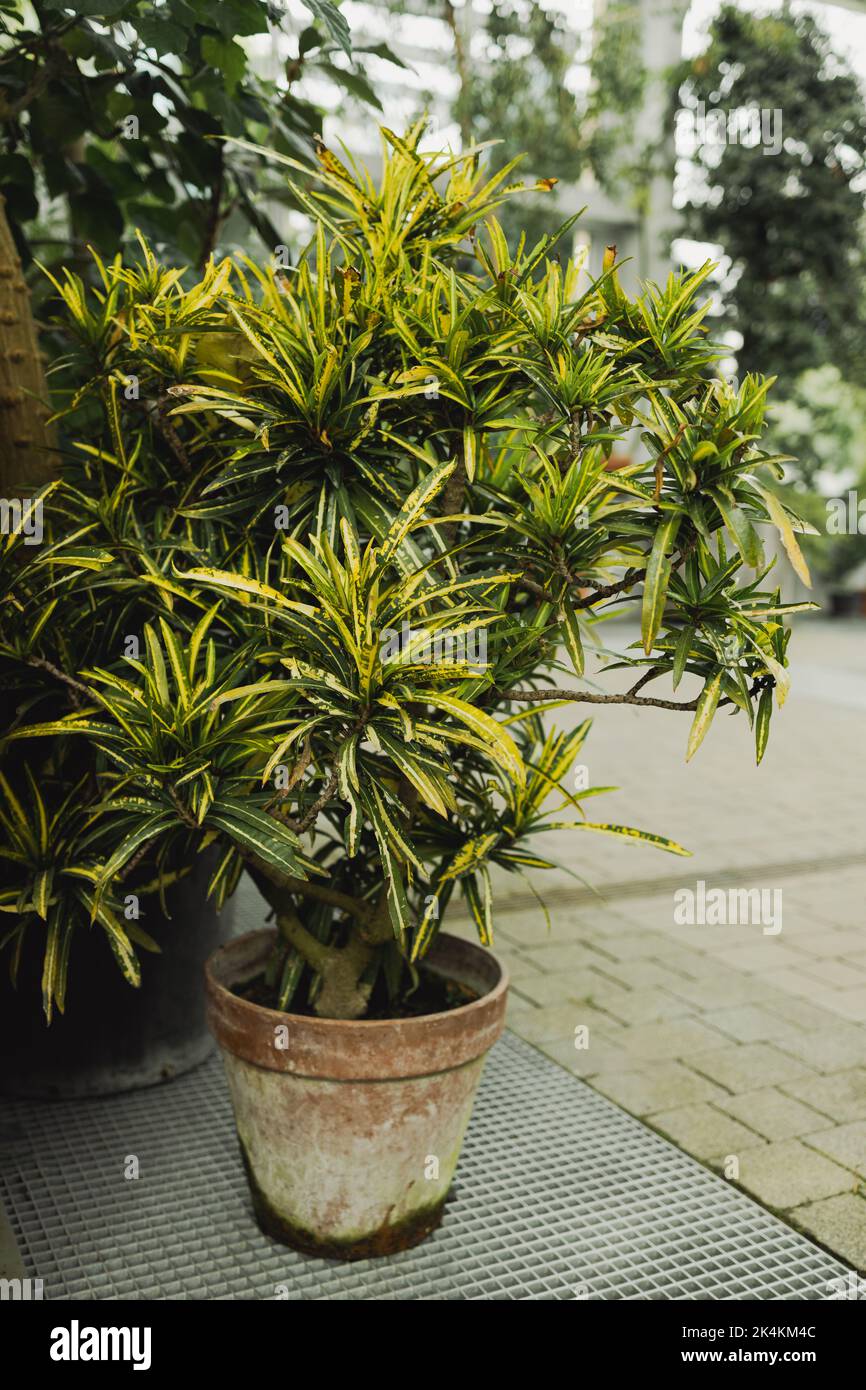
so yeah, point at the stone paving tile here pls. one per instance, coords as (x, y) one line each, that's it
(851, 1003)
(801, 1012)
(704, 1131)
(696, 965)
(844, 1143)
(638, 974)
(837, 973)
(668, 1039)
(599, 1057)
(830, 1049)
(516, 1008)
(528, 929)
(640, 945)
(796, 982)
(743, 1067)
(839, 1223)
(714, 941)
(658, 1086)
(557, 1023)
(731, 990)
(773, 1114)
(519, 968)
(581, 985)
(646, 1006)
(566, 957)
(842, 1095)
(768, 955)
(788, 1174)
(750, 1023)
(836, 944)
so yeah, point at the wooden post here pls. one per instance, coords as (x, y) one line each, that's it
(28, 455)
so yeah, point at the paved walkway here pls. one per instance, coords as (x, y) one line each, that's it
(744, 1047)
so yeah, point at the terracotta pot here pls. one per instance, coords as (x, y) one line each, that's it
(350, 1132)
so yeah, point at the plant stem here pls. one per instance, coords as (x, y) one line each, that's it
(281, 886)
(314, 951)
(61, 676)
(601, 591)
(342, 994)
(589, 699)
(319, 804)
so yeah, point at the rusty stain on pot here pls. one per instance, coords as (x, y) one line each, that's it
(351, 1131)
(388, 1240)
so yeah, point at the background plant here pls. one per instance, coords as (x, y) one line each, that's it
(515, 64)
(791, 222)
(265, 472)
(112, 118)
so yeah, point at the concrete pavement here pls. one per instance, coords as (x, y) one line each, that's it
(743, 1044)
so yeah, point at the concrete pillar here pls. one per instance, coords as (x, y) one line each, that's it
(662, 28)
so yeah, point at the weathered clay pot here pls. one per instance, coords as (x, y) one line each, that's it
(350, 1132)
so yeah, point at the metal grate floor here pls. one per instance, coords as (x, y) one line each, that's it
(559, 1195)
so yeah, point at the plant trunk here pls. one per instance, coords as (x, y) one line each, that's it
(27, 441)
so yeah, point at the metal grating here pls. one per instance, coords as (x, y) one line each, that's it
(559, 1195)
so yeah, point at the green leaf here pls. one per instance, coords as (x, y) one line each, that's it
(383, 828)
(427, 928)
(415, 505)
(781, 520)
(480, 904)
(628, 832)
(122, 948)
(157, 663)
(293, 969)
(658, 574)
(503, 749)
(254, 830)
(706, 708)
(333, 21)
(746, 538)
(227, 57)
(150, 828)
(51, 965)
(83, 557)
(762, 722)
(571, 634)
(681, 653)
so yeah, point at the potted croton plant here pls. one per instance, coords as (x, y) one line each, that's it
(360, 515)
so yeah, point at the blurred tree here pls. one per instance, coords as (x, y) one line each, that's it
(791, 220)
(822, 422)
(516, 64)
(524, 95)
(111, 118)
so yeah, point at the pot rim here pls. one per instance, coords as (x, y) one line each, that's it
(461, 1011)
(345, 1049)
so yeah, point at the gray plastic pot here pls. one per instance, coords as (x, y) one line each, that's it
(112, 1037)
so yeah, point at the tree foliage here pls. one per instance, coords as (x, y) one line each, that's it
(301, 494)
(530, 81)
(791, 221)
(114, 113)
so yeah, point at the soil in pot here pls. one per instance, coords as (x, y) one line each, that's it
(434, 994)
